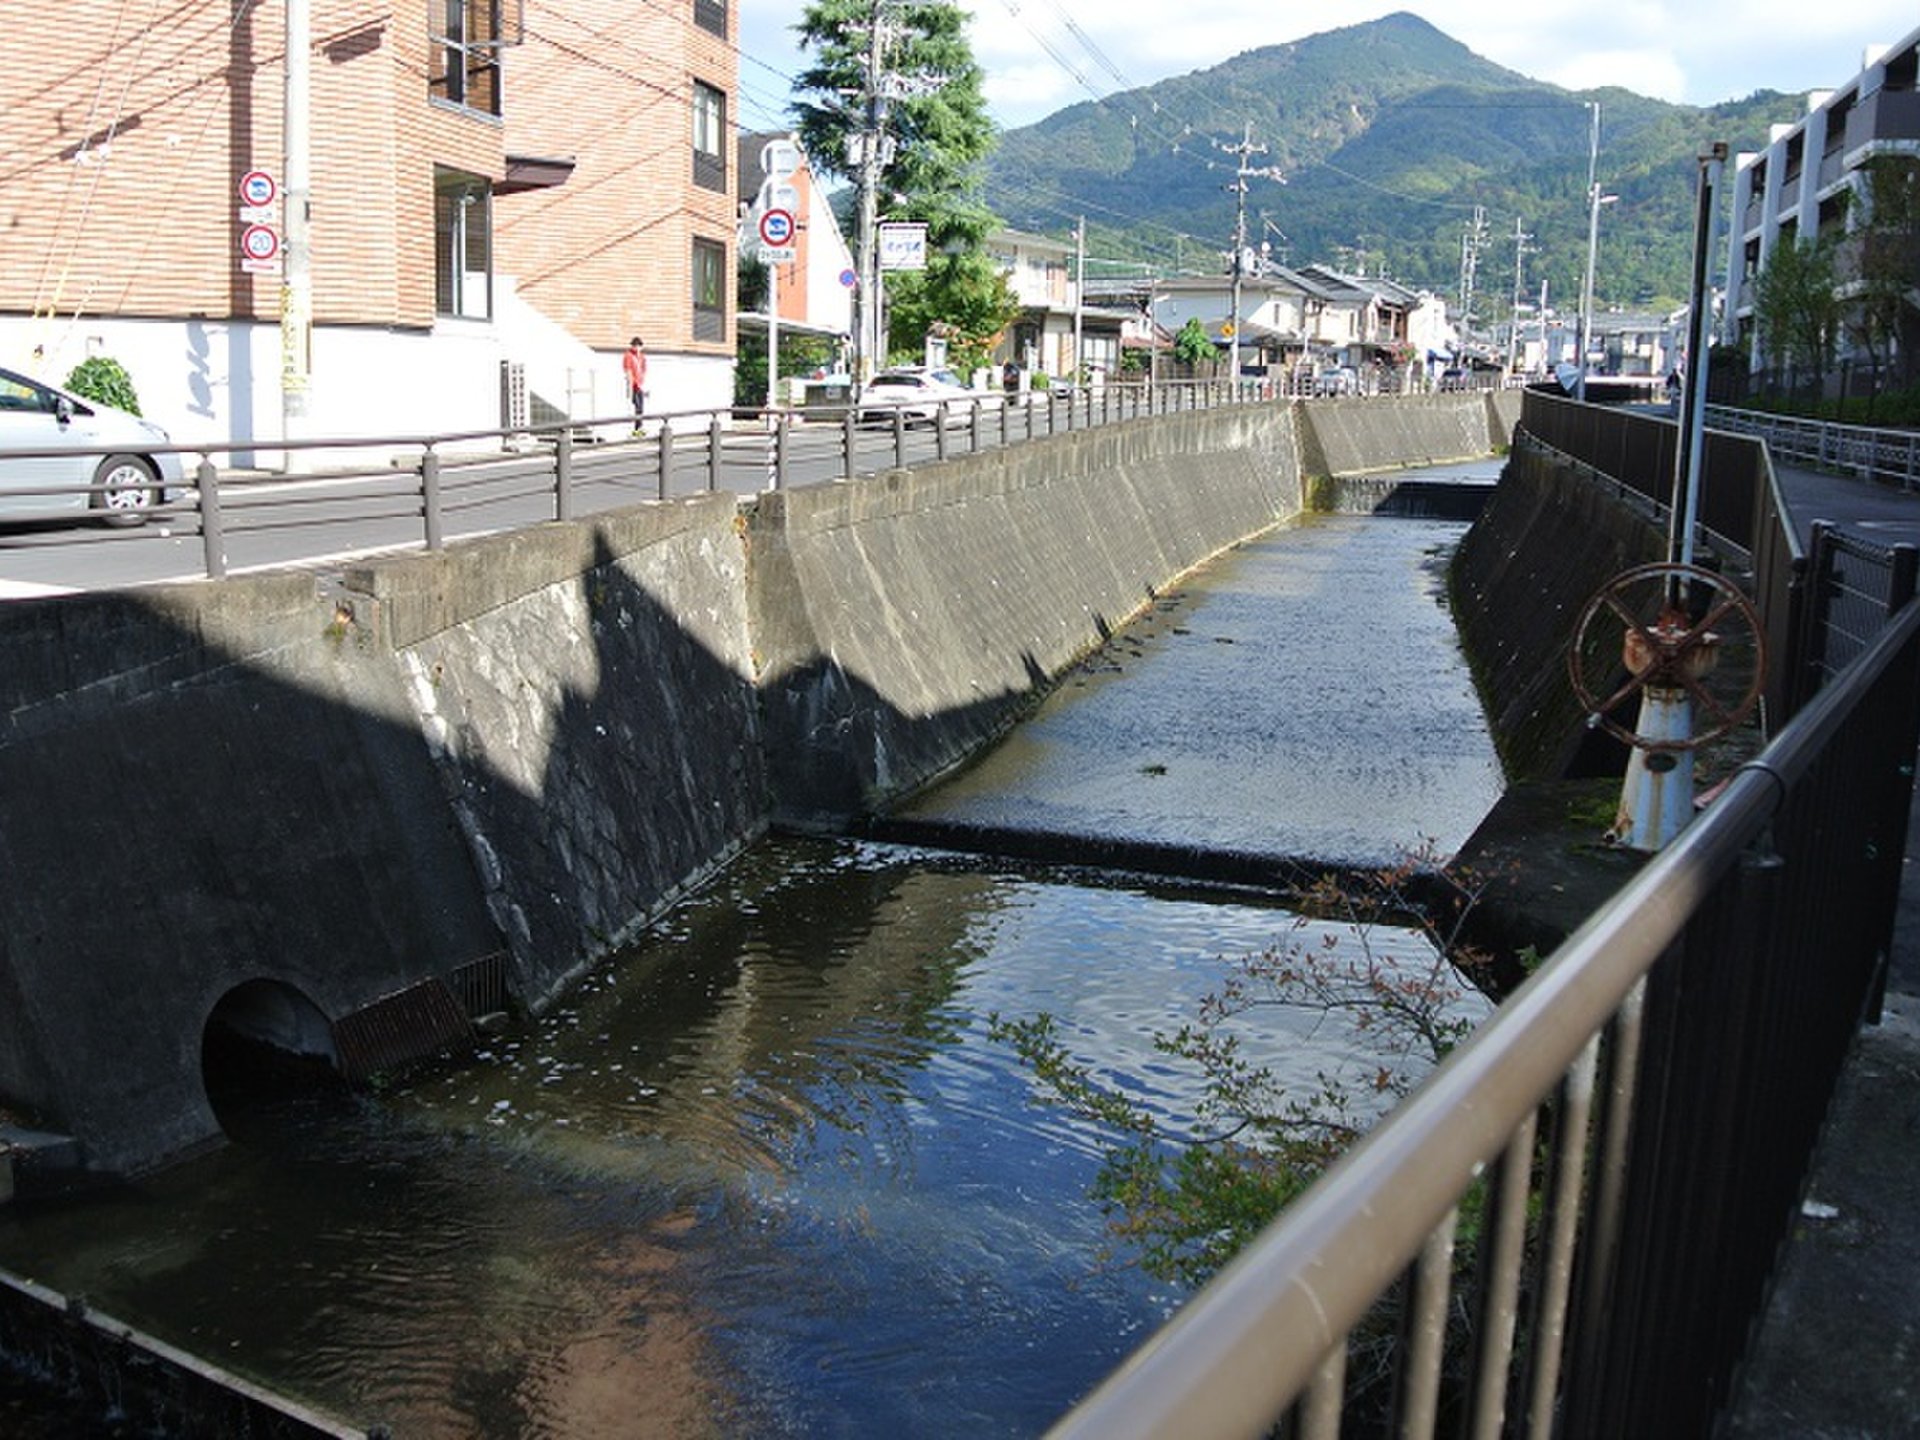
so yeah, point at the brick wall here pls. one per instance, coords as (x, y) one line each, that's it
(127, 128)
(609, 253)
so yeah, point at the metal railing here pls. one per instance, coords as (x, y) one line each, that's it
(260, 503)
(1871, 453)
(291, 502)
(1620, 1148)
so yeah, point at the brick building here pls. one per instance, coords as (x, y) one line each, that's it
(498, 187)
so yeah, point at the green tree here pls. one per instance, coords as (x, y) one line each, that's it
(1884, 313)
(938, 135)
(1797, 304)
(1191, 345)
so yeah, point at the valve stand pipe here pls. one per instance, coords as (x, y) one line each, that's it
(1656, 796)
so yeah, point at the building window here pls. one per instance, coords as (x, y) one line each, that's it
(462, 245)
(709, 137)
(464, 53)
(710, 291)
(711, 16)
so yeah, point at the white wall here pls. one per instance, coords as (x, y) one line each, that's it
(218, 383)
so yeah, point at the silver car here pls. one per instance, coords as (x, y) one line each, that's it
(98, 457)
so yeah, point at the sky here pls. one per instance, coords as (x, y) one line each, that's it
(1043, 55)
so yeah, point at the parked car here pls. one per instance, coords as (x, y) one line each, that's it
(917, 393)
(107, 458)
(1336, 380)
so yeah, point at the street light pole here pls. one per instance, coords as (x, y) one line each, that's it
(1593, 241)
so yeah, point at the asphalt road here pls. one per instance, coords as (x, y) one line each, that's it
(323, 519)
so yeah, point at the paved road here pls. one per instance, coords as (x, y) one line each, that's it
(320, 520)
(1838, 1355)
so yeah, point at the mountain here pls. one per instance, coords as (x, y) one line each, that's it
(1391, 136)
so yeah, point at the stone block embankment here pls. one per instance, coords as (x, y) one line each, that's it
(1547, 540)
(901, 623)
(451, 777)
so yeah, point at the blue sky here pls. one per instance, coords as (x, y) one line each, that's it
(1042, 55)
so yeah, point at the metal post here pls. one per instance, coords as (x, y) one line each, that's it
(296, 290)
(1687, 454)
(780, 451)
(849, 432)
(563, 474)
(1593, 241)
(666, 457)
(212, 540)
(430, 498)
(715, 451)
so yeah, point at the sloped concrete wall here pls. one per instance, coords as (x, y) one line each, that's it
(902, 622)
(531, 743)
(587, 694)
(1361, 435)
(1546, 541)
(202, 786)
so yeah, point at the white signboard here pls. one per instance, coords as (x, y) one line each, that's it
(903, 245)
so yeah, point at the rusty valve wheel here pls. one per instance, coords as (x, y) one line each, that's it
(1675, 630)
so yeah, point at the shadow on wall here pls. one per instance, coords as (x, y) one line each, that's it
(223, 792)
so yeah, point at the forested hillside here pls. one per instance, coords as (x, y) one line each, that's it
(1390, 135)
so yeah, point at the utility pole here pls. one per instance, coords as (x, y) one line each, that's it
(873, 146)
(1470, 243)
(1079, 294)
(1242, 174)
(1520, 239)
(296, 288)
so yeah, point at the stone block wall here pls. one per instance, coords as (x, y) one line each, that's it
(901, 622)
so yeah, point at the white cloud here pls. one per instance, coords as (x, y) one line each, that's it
(1669, 49)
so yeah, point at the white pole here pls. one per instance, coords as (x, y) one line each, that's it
(1079, 294)
(773, 338)
(1593, 241)
(296, 290)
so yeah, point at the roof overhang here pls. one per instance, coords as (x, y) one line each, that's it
(533, 172)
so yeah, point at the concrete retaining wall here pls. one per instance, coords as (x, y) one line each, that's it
(509, 756)
(1546, 541)
(901, 623)
(1362, 435)
(586, 692)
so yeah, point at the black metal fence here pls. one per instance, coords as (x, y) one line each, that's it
(1620, 1149)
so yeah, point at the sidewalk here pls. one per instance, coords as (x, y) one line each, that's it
(1837, 1355)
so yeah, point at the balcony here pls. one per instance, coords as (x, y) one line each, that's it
(1884, 115)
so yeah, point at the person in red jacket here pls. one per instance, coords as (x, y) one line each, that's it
(635, 365)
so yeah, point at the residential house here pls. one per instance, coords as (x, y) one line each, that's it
(498, 194)
(1042, 274)
(1809, 180)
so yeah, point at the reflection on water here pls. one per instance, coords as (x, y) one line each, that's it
(764, 1176)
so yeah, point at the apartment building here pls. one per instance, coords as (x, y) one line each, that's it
(502, 192)
(1808, 181)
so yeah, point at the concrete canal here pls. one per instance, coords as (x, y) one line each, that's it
(767, 1174)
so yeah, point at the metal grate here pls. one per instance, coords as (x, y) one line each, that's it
(481, 985)
(408, 1025)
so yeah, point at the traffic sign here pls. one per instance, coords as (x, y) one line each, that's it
(258, 188)
(260, 244)
(776, 228)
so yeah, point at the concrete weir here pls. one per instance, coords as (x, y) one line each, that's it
(356, 813)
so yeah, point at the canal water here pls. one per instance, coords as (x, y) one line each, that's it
(768, 1173)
